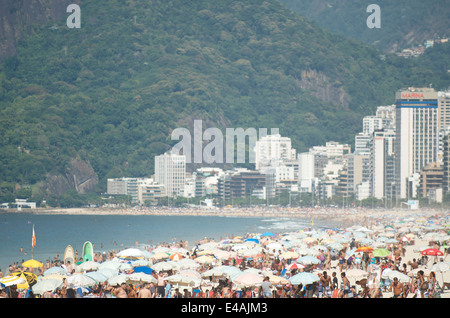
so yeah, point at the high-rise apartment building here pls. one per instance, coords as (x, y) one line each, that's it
(417, 135)
(170, 171)
(272, 150)
(382, 163)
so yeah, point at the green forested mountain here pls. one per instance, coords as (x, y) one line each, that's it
(101, 101)
(404, 23)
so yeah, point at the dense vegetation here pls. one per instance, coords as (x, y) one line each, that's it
(112, 91)
(403, 23)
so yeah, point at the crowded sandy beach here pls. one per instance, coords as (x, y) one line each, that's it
(375, 254)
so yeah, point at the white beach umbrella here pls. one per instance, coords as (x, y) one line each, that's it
(307, 260)
(399, 275)
(115, 265)
(179, 279)
(97, 276)
(130, 253)
(80, 280)
(224, 270)
(247, 279)
(165, 266)
(117, 280)
(108, 272)
(304, 278)
(46, 285)
(356, 273)
(187, 263)
(140, 278)
(55, 270)
(88, 266)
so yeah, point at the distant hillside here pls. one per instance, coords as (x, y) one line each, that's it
(18, 17)
(80, 105)
(403, 23)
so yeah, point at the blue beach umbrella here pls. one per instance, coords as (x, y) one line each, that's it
(143, 269)
(268, 234)
(252, 240)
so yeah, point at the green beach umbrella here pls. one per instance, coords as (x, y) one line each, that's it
(381, 252)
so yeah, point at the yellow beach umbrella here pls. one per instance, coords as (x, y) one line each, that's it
(204, 259)
(32, 263)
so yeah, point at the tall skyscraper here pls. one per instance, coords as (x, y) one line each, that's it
(170, 171)
(417, 135)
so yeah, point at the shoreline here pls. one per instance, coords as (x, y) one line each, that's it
(318, 213)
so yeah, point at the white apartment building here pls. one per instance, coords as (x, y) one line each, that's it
(272, 150)
(417, 135)
(170, 171)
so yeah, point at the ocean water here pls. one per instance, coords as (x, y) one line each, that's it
(115, 232)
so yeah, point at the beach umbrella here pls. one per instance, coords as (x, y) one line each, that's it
(190, 273)
(32, 263)
(268, 234)
(204, 259)
(118, 280)
(187, 263)
(108, 272)
(55, 270)
(307, 260)
(46, 285)
(223, 270)
(176, 256)
(125, 267)
(295, 266)
(12, 280)
(53, 276)
(307, 251)
(247, 279)
(304, 278)
(277, 280)
(413, 272)
(250, 253)
(143, 269)
(139, 262)
(363, 249)
(440, 267)
(179, 279)
(30, 278)
(97, 276)
(140, 278)
(88, 266)
(356, 273)
(80, 280)
(115, 265)
(164, 266)
(252, 240)
(160, 256)
(381, 252)
(130, 253)
(400, 276)
(289, 255)
(432, 252)
(336, 246)
(274, 246)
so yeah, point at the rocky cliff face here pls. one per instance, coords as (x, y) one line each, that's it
(79, 176)
(18, 16)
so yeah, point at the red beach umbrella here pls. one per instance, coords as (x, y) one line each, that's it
(432, 252)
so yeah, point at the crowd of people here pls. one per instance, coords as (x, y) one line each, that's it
(346, 272)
